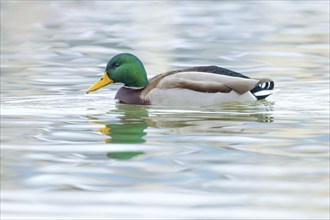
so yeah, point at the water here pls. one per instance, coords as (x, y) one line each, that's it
(66, 154)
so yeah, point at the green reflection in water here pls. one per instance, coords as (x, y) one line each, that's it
(124, 155)
(126, 133)
(128, 130)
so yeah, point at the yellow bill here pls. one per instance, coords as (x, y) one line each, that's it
(103, 81)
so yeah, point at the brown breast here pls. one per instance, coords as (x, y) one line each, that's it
(131, 96)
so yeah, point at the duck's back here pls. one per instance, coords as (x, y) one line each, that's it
(212, 69)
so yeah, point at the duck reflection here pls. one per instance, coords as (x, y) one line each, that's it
(129, 129)
(127, 124)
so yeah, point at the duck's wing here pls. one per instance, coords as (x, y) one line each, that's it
(212, 69)
(206, 69)
(202, 82)
(260, 91)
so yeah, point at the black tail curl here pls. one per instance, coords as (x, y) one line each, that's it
(263, 90)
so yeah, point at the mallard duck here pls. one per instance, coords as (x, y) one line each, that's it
(196, 86)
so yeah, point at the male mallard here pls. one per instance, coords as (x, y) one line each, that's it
(201, 85)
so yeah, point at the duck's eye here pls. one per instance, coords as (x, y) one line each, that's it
(116, 64)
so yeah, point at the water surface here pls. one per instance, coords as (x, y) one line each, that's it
(66, 154)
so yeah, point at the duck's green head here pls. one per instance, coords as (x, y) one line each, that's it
(125, 68)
